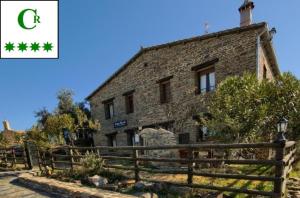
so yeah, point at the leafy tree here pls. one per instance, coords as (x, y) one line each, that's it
(68, 115)
(245, 109)
(38, 136)
(65, 101)
(56, 124)
(42, 115)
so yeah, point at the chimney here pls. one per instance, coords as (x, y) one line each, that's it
(246, 13)
(6, 125)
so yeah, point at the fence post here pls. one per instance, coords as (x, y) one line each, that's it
(24, 157)
(190, 166)
(52, 159)
(39, 158)
(28, 155)
(136, 165)
(14, 161)
(280, 183)
(5, 156)
(71, 158)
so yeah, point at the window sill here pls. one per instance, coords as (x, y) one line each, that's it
(205, 93)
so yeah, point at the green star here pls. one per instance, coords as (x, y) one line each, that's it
(35, 46)
(9, 46)
(48, 46)
(22, 46)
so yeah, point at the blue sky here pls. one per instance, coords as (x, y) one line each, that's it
(98, 36)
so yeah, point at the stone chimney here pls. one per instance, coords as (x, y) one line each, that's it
(6, 125)
(246, 13)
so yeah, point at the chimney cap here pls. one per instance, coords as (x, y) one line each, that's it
(247, 4)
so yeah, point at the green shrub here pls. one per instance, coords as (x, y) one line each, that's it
(92, 164)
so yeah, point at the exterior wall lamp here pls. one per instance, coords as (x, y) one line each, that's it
(281, 129)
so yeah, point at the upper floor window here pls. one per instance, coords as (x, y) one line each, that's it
(165, 90)
(129, 105)
(206, 80)
(205, 76)
(109, 108)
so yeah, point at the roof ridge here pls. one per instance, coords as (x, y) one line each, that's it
(172, 43)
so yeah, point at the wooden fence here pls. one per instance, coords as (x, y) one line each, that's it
(281, 163)
(11, 157)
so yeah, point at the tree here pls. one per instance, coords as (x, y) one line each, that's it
(65, 101)
(42, 115)
(37, 136)
(245, 109)
(56, 124)
(74, 117)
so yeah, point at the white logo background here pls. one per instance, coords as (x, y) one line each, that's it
(46, 31)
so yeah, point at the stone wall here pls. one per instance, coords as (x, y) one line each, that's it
(236, 51)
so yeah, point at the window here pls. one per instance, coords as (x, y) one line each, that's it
(109, 109)
(112, 139)
(184, 138)
(264, 72)
(130, 137)
(165, 89)
(203, 133)
(129, 103)
(165, 92)
(206, 80)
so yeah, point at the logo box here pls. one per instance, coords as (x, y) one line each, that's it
(29, 29)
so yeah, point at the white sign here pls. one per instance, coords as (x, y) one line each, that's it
(29, 29)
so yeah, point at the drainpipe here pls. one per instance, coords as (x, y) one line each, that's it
(257, 49)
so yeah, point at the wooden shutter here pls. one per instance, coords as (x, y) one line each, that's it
(168, 91)
(129, 104)
(162, 92)
(165, 91)
(107, 112)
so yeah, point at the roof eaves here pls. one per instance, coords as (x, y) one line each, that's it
(203, 37)
(115, 73)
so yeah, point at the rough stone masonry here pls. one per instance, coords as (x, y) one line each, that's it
(231, 52)
(161, 85)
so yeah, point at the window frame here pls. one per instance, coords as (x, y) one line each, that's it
(108, 107)
(111, 138)
(129, 103)
(130, 137)
(205, 72)
(163, 83)
(165, 91)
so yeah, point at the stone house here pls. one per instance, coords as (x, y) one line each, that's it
(162, 86)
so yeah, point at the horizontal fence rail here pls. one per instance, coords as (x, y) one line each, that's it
(281, 164)
(11, 157)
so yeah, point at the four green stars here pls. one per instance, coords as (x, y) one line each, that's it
(24, 47)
